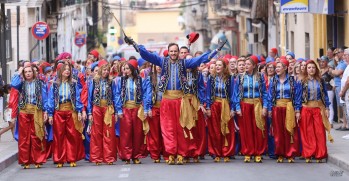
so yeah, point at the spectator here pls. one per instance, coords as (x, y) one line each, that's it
(337, 73)
(324, 60)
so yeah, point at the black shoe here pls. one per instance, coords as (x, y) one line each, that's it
(344, 129)
(339, 128)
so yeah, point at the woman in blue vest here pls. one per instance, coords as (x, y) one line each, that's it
(221, 127)
(154, 137)
(314, 122)
(65, 114)
(131, 92)
(101, 116)
(250, 100)
(31, 118)
(284, 104)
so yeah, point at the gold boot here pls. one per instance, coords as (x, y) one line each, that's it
(280, 159)
(59, 165)
(72, 164)
(98, 163)
(319, 161)
(196, 160)
(136, 161)
(37, 165)
(247, 159)
(171, 160)
(258, 159)
(308, 160)
(110, 163)
(26, 166)
(226, 159)
(157, 161)
(217, 159)
(127, 162)
(179, 160)
(290, 160)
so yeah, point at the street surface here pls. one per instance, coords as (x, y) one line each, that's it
(206, 170)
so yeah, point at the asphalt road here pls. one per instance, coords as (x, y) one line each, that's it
(206, 170)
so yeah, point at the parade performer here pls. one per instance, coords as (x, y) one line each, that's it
(250, 101)
(221, 127)
(154, 137)
(31, 118)
(195, 139)
(64, 108)
(269, 74)
(130, 92)
(284, 98)
(174, 107)
(314, 116)
(89, 74)
(101, 116)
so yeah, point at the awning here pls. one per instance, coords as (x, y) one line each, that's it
(220, 36)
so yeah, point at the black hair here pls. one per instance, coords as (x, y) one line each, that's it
(132, 57)
(172, 44)
(184, 47)
(134, 71)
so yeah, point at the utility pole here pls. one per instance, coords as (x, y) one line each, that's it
(18, 22)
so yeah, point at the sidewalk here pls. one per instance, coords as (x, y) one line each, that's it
(8, 150)
(338, 152)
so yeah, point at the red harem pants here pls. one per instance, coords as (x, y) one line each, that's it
(154, 139)
(131, 144)
(172, 132)
(103, 139)
(215, 135)
(312, 133)
(283, 145)
(67, 141)
(31, 150)
(201, 134)
(253, 140)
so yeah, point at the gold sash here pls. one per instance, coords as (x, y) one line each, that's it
(257, 112)
(325, 121)
(78, 124)
(108, 117)
(38, 121)
(189, 113)
(225, 117)
(140, 115)
(173, 94)
(157, 104)
(290, 115)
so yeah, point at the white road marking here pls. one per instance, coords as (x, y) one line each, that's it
(124, 175)
(125, 169)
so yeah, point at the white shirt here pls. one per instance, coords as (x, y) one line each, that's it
(344, 79)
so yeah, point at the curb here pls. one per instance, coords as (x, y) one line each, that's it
(335, 160)
(8, 161)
